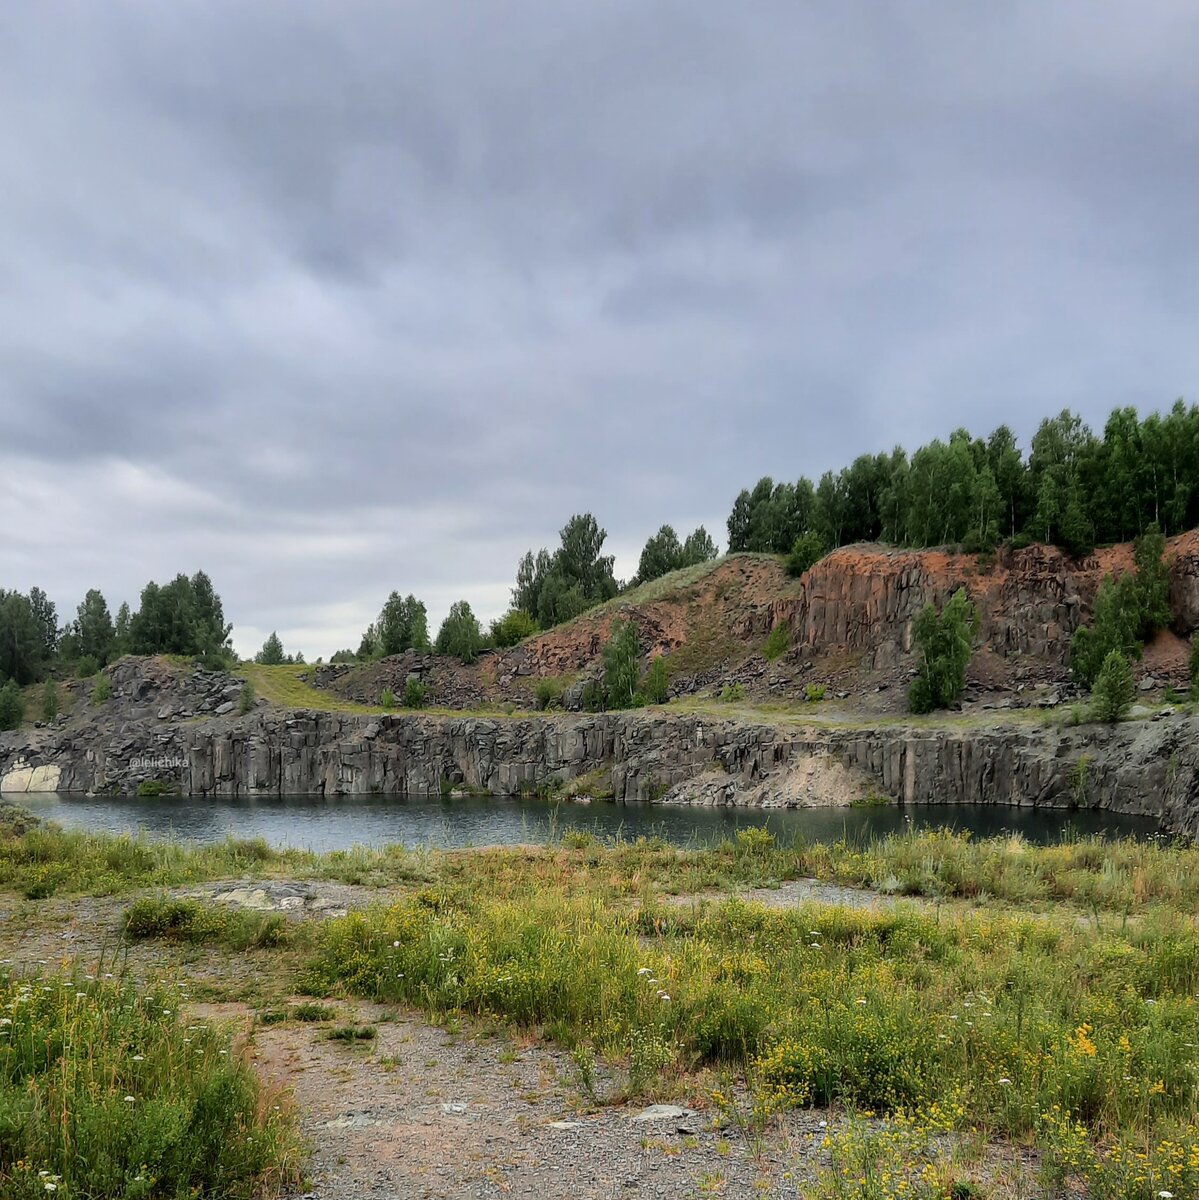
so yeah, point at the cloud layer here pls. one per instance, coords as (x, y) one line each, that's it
(331, 299)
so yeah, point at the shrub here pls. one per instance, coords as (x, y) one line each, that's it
(946, 643)
(593, 696)
(547, 693)
(1116, 623)
(49, 700)
(513, 627)
(1113, 691)
(656, 683)
(731, 693)
(245, 698)
(86, 667)
(814, 693)
(415, 692)
(621, 656)
(12, 706)
(149, 788)
(808, 549)
(778, 643)
(103, 689)
(1195, 666)
(387, 700)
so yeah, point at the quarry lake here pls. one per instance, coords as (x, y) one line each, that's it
(322, 825)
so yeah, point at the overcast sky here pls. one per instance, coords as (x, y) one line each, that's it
(330, 299)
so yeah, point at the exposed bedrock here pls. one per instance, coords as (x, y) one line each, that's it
(1148, 767)
(866, 598)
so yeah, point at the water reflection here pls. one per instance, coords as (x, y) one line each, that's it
(314, 823)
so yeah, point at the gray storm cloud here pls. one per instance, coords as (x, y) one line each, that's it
(331, 299)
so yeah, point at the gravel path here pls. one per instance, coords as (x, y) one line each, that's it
(422, 1113)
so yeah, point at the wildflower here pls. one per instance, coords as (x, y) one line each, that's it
(1166, 1195)
(644, 971)
(395, 945)
(1005, 1081)
(861, 1000)
(140, 1057)
(130, 1099)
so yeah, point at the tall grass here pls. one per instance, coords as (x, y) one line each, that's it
(1091, 873)
(1007, 1024)
(45, 860)
(105, 1091)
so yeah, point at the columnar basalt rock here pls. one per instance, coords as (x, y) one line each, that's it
(866, 598)
(1147, 767)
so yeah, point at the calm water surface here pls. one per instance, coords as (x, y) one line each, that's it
(314, 823)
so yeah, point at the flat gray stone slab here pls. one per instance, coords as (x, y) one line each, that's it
(665, 1112)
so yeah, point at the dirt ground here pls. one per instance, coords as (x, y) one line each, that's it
(422, 1110)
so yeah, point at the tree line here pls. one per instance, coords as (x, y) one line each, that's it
(1075, 489)
(183, 617)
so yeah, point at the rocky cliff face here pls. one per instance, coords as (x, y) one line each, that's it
(1145, 767)
(866, 598)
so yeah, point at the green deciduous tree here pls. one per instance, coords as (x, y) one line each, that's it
(1153, 581)
(22, 639)
(12, 705)
(1113, 692)
(554, 588)
(664, 553)
(120, 628)
(656, 683)
(1115, 625)
(946, 643)
(460, 634)
(47, 621)
(698, 547)
(403, 624)
(49, 700)
(660, 555)
(622, 656)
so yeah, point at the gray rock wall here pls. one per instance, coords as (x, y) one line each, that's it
(1143, 767)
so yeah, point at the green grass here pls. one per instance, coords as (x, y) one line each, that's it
(282, 687)
(105, 1092)
(1042, 999)
(673, 585)
(1089, 873)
